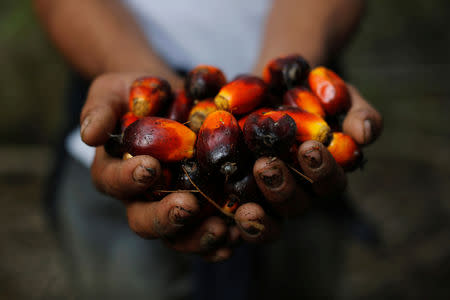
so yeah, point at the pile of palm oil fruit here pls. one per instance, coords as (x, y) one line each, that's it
(208, 136)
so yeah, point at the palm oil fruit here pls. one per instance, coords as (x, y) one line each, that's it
(127, 119)
(304, 99)
(189, 171)
(243, 187)
(204, 82)
(148, 95)
(270, 133)
(286, 72)
(242, 95)
(219, 144)
(309, 126)
(164, 139)
(244, 118)
(199, 113)
(330, 89)
(180, 107)
(231, 204)
(345, 151)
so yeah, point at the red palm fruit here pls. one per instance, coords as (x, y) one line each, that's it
(286, 72)
(180, 107)
(204, 82)
(345, 151)
(127, 119)
(164, 139)
(219, 144)
(244, 118)
(199, 113)
(270, 133)
(242, 95)
(330, 89)
(309, 126)
(148, 95)
(304, 99)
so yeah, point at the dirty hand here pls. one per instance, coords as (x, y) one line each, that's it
(278, 185)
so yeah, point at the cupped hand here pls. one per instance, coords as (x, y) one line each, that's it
(174, 219)
(280, 188)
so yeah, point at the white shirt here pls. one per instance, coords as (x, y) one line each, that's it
(186, 33)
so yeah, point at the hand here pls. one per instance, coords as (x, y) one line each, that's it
(278, 184)
(174, 218)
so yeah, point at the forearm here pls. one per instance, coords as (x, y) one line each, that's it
(316, 29)
(99, 36)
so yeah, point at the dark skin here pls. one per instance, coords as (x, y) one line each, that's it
(317, 30)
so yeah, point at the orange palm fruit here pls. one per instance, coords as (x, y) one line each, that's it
(242, 95)
(231, 204)
(244, 118)
(304, 99)
(180, 107)
(219, 144)
(345, 151)
(330, 89)
(203, 82)
(127, 119)
(269, 133)
(148, 95)
(199, 113)
(286, 72)
(164, 139)
(309, 126)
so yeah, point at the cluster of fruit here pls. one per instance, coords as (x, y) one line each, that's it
(208, 135)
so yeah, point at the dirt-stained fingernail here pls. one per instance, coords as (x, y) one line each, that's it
(85, 125)
(272, 177)
(143, 174)
(367, 131)
(252, 228)
(313, 157)
(180, 215)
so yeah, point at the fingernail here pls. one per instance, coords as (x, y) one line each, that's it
(208, 241)
(272, 177)
(85, 124)
(144, 175)
(313, 158)
(367, 131)
(251, 229)
(179, 215)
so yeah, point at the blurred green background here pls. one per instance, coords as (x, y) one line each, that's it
(399, 60)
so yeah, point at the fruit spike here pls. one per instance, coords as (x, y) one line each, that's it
(242, 95)
(270, 133)
(304, 99)
(309, 126)
(204, 82)
(148, 95)
(164, 139)
(180, 107)
(219, 144)
(286, 72)
(199, 113)
(345, 151)
(330, 89)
